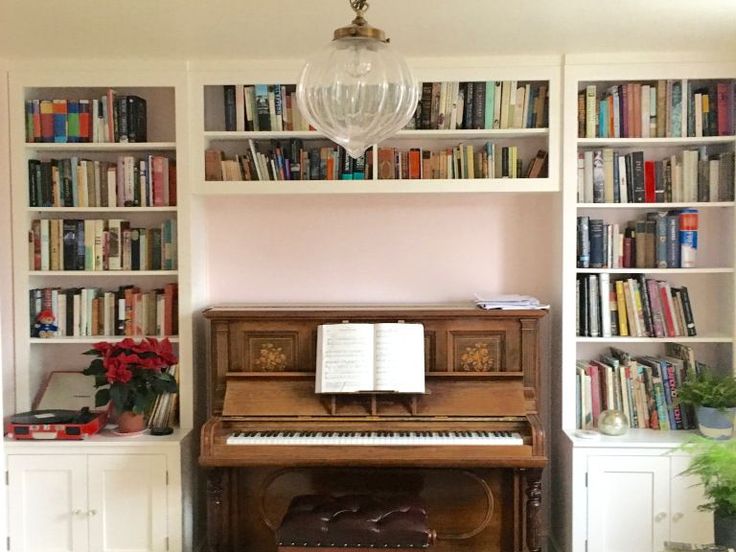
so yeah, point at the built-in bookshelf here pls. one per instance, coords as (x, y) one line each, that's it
(648, 166)
(95, 217)
(440, 151)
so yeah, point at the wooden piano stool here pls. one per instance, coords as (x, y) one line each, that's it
(316, 523)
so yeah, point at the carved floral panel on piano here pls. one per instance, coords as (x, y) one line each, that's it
(478, 421)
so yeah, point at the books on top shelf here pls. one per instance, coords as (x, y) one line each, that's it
(631, 306)
(262, 107)
(481, 105)
(656, 109)
(292, 161)
(127, 311)
(608, 176)
(462, 161)
(109, 118)
(663, 239)
(127, 182)
(370, 357)
(645, 388)
(97, 244)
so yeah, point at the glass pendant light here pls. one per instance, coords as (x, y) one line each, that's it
(357, 91)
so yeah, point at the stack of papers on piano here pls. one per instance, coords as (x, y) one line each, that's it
(509, 302)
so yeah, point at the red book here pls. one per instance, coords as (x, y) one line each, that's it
(84, 121)
(47, 121)
(157, 173)
(626, 263)
(415, 163)
(37, 137)
(650, 182)
(111, 115)
(170, 309)
(666, 301)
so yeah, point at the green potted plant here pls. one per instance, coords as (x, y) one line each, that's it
(714, 463)
(130, 375)
(714, 399)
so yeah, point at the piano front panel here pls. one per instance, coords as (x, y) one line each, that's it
(457, 501)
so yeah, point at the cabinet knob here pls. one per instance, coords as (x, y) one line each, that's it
(677, 516)
(92, 513)
(660, 516)
(77, 512)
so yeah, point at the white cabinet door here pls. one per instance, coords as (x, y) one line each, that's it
(47, 500)
(687, 524)
(127, 503)
(628, 503)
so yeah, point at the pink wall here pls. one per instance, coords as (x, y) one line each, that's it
(380, 249)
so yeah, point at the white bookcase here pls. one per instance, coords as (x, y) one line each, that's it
(208, 124)
(711, 289)
(164, 88)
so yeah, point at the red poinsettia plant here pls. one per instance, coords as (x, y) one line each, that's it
(131, 374)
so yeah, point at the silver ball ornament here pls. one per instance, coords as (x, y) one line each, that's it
(613, 422)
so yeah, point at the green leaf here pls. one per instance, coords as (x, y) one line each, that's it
(119, 395)
(102, 397)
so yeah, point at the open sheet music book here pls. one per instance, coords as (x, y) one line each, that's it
(370, 357)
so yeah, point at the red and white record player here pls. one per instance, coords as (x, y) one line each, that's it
(63, 410)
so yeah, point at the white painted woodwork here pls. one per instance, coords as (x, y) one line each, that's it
(687, 523)
(47, 503)
(628, 503)
(127, 503)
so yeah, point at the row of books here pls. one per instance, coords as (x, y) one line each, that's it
(164, 409)
(657, 109)
(109, 118)
(481, 105)
(97, 244)
(645, 388)
(462, 161)
(291, 162)
(262, 107)
(607, 176)
(127, 182)
(664, 239)
(631, 306)
(127, 311)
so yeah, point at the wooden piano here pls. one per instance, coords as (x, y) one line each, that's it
(472, 447)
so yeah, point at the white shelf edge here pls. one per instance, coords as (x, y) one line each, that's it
(418, 186)
(100, 146)
(70, 340)
(684, 339)
(673, 205)
(635, 438)
(168, 209)
(704, 270)
(100, 273)
(690, 140)
(402, 134)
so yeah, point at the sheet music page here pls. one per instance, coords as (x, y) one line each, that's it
(344, 358)
(399, 357)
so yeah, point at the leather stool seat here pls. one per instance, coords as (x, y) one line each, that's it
(354, 522)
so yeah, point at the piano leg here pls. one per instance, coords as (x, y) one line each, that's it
(533, 506)
(217, 511)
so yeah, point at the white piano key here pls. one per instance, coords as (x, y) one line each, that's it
(377, 438)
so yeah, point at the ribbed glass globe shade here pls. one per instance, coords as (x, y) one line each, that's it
(357, 92)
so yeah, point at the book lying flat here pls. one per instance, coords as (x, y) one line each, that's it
(370, 357)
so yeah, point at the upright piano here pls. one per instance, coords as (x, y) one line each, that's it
(471, 447)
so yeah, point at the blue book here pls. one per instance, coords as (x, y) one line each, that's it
(660, 236)
(60, 121)
(490, 91)
(596, 229)
(673, 239)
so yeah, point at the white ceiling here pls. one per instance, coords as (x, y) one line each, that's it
(192, 29)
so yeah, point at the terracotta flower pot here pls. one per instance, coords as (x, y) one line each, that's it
(128, 422)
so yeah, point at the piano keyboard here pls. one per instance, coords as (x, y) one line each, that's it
(376, 438)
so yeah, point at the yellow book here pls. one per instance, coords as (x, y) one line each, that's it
(623, 327)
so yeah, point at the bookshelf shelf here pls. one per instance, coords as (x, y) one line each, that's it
(101, 273)
(655, 142)
(705, 270)
(396, 186)
(100, 146)
(677, 205)
(402, 134)
(94, 339)
(102, 210)
(681, 339)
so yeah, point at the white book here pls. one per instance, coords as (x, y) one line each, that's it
(99, 244)
(83, 328)
(61, 314)
(645, 111)
(581, 177)
(77, 315)
(591, 111)
(698, 115)
(239, 108)
(714, 167)
(604, 285)
(45, 247)
(370, 357)
(594, 306)
(588, 174)
(623, 181)
(497, 105)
